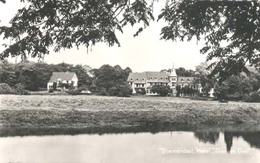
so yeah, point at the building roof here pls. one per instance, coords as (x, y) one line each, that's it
(144, 77)
(157, 77)
(137, 77)
(186, 79)
(61, 76)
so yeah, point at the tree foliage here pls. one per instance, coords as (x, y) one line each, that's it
(231, 29)
(64, 24)
(109, 80)
(162, 90)
(34, 76)
(181, 71)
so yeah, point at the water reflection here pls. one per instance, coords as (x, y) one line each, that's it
(207, 137)
(252, 138)
(170, 146)
(228, 136)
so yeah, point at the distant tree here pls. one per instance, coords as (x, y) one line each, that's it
(162, 90)
(221, 92)
(7, 73)
(183, 72)
(110, 80)
(178, 89)
(125, 90)
(34, 76)
(83, 76)
(207, 83)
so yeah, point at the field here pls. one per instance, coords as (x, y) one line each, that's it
(63, 111)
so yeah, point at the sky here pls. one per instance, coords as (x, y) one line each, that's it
(147, 52)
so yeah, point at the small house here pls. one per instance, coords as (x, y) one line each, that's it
(62, 80)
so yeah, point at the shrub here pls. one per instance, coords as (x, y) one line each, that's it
(6, 89)
(73, 91)
(140, 91)
(20, 90)
(253, 97)
(50, 90)
(125, 90)
(42, 89)
(221, 92)
(82, 88)
(113, 91)
(235, 97)
(103, 92)
(162, 90)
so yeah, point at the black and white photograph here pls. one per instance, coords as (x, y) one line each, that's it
(132, 81)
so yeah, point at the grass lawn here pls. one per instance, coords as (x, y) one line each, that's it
(65, 111)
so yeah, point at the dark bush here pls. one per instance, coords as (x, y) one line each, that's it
(6, 89)
(221, 92)
(235, 97)
(103, 92)
(42, 89)
(82, 88)
(50, 90)
(73, 91)
(162, 90)
(113, 91)
(125, 90)
(140, 91)
(20, 90)
(253, 97)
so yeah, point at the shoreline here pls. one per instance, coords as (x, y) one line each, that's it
(36, 111)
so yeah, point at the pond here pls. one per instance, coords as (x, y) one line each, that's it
(163, 146)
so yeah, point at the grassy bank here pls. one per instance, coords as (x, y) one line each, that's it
(37, 111)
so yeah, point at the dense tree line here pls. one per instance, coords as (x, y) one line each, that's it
(106, 80)
(239, 87)
(243, 86)
(35, 76)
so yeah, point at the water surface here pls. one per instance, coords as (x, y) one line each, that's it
(168, 146)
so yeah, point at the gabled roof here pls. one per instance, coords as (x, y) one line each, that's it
(157, 77)
(186, 79)
(61, 76)
(137, 77)
(144, 77)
